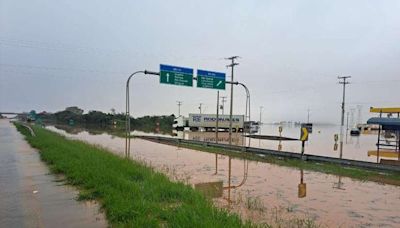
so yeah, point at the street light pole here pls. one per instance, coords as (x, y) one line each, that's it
(344, 83)
(223, 104)
(179, 107)
(247, 113)
(128, 117)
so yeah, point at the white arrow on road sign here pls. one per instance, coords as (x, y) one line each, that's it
(219, 83)
(167, 77)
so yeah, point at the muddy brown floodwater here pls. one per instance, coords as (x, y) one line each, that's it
(265, 192)
(320, 142)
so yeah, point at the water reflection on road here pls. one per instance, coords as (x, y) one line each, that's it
(265, 192)
(321, 142)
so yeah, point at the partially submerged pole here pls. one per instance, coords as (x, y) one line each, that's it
(127, 113)
(216, 125)
(232, 65)
(344, 82)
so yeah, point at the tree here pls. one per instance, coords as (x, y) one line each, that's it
(75, 110)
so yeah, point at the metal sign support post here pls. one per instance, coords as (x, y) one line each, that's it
(303, 138)
(127, 114)
(183, 77)
(247, 115)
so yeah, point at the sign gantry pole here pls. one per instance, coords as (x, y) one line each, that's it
(127, 113)
(182, 76)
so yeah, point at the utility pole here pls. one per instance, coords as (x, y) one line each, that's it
(347, 125)
(352, 121)
(200, 107)
(259, 123)
(308, 115)
(344, 82)
(359, 109)
(179, 107)
(223, 104)
(216, 126)
(232, 66)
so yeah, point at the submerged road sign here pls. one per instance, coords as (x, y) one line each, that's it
(211, 80)
(176, 75)
(304, 134)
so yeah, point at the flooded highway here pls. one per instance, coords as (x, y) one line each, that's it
(265, 192)
(320, 142)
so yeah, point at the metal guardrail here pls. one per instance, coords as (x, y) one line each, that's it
(283, 154)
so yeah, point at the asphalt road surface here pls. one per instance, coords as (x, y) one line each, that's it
(30, 196)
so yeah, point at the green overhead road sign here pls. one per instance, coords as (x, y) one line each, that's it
(176, 75)
(211, 80)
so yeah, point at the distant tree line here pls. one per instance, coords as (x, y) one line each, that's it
(75, 115)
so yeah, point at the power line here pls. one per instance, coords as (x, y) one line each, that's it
(65, 47)
(65, 69)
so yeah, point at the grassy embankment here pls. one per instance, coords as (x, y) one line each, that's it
(130, 193)
(386, 177)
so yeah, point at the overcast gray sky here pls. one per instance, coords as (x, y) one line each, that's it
(55, 54)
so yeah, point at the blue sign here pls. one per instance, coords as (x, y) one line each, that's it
(210, 79)
(211, 74)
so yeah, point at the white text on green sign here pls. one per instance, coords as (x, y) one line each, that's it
(176, 75)
(210, 79)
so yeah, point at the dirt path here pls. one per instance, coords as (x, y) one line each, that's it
(30, 197)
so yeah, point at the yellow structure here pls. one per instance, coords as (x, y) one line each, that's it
(384, 153)
(384, 110)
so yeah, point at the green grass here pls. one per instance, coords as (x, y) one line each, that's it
(131, 194)
(386, 177)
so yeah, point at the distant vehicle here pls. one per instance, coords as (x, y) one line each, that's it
(368, 127)
(251, 126)
(355, 132)
(180, 123)
(207, 122)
